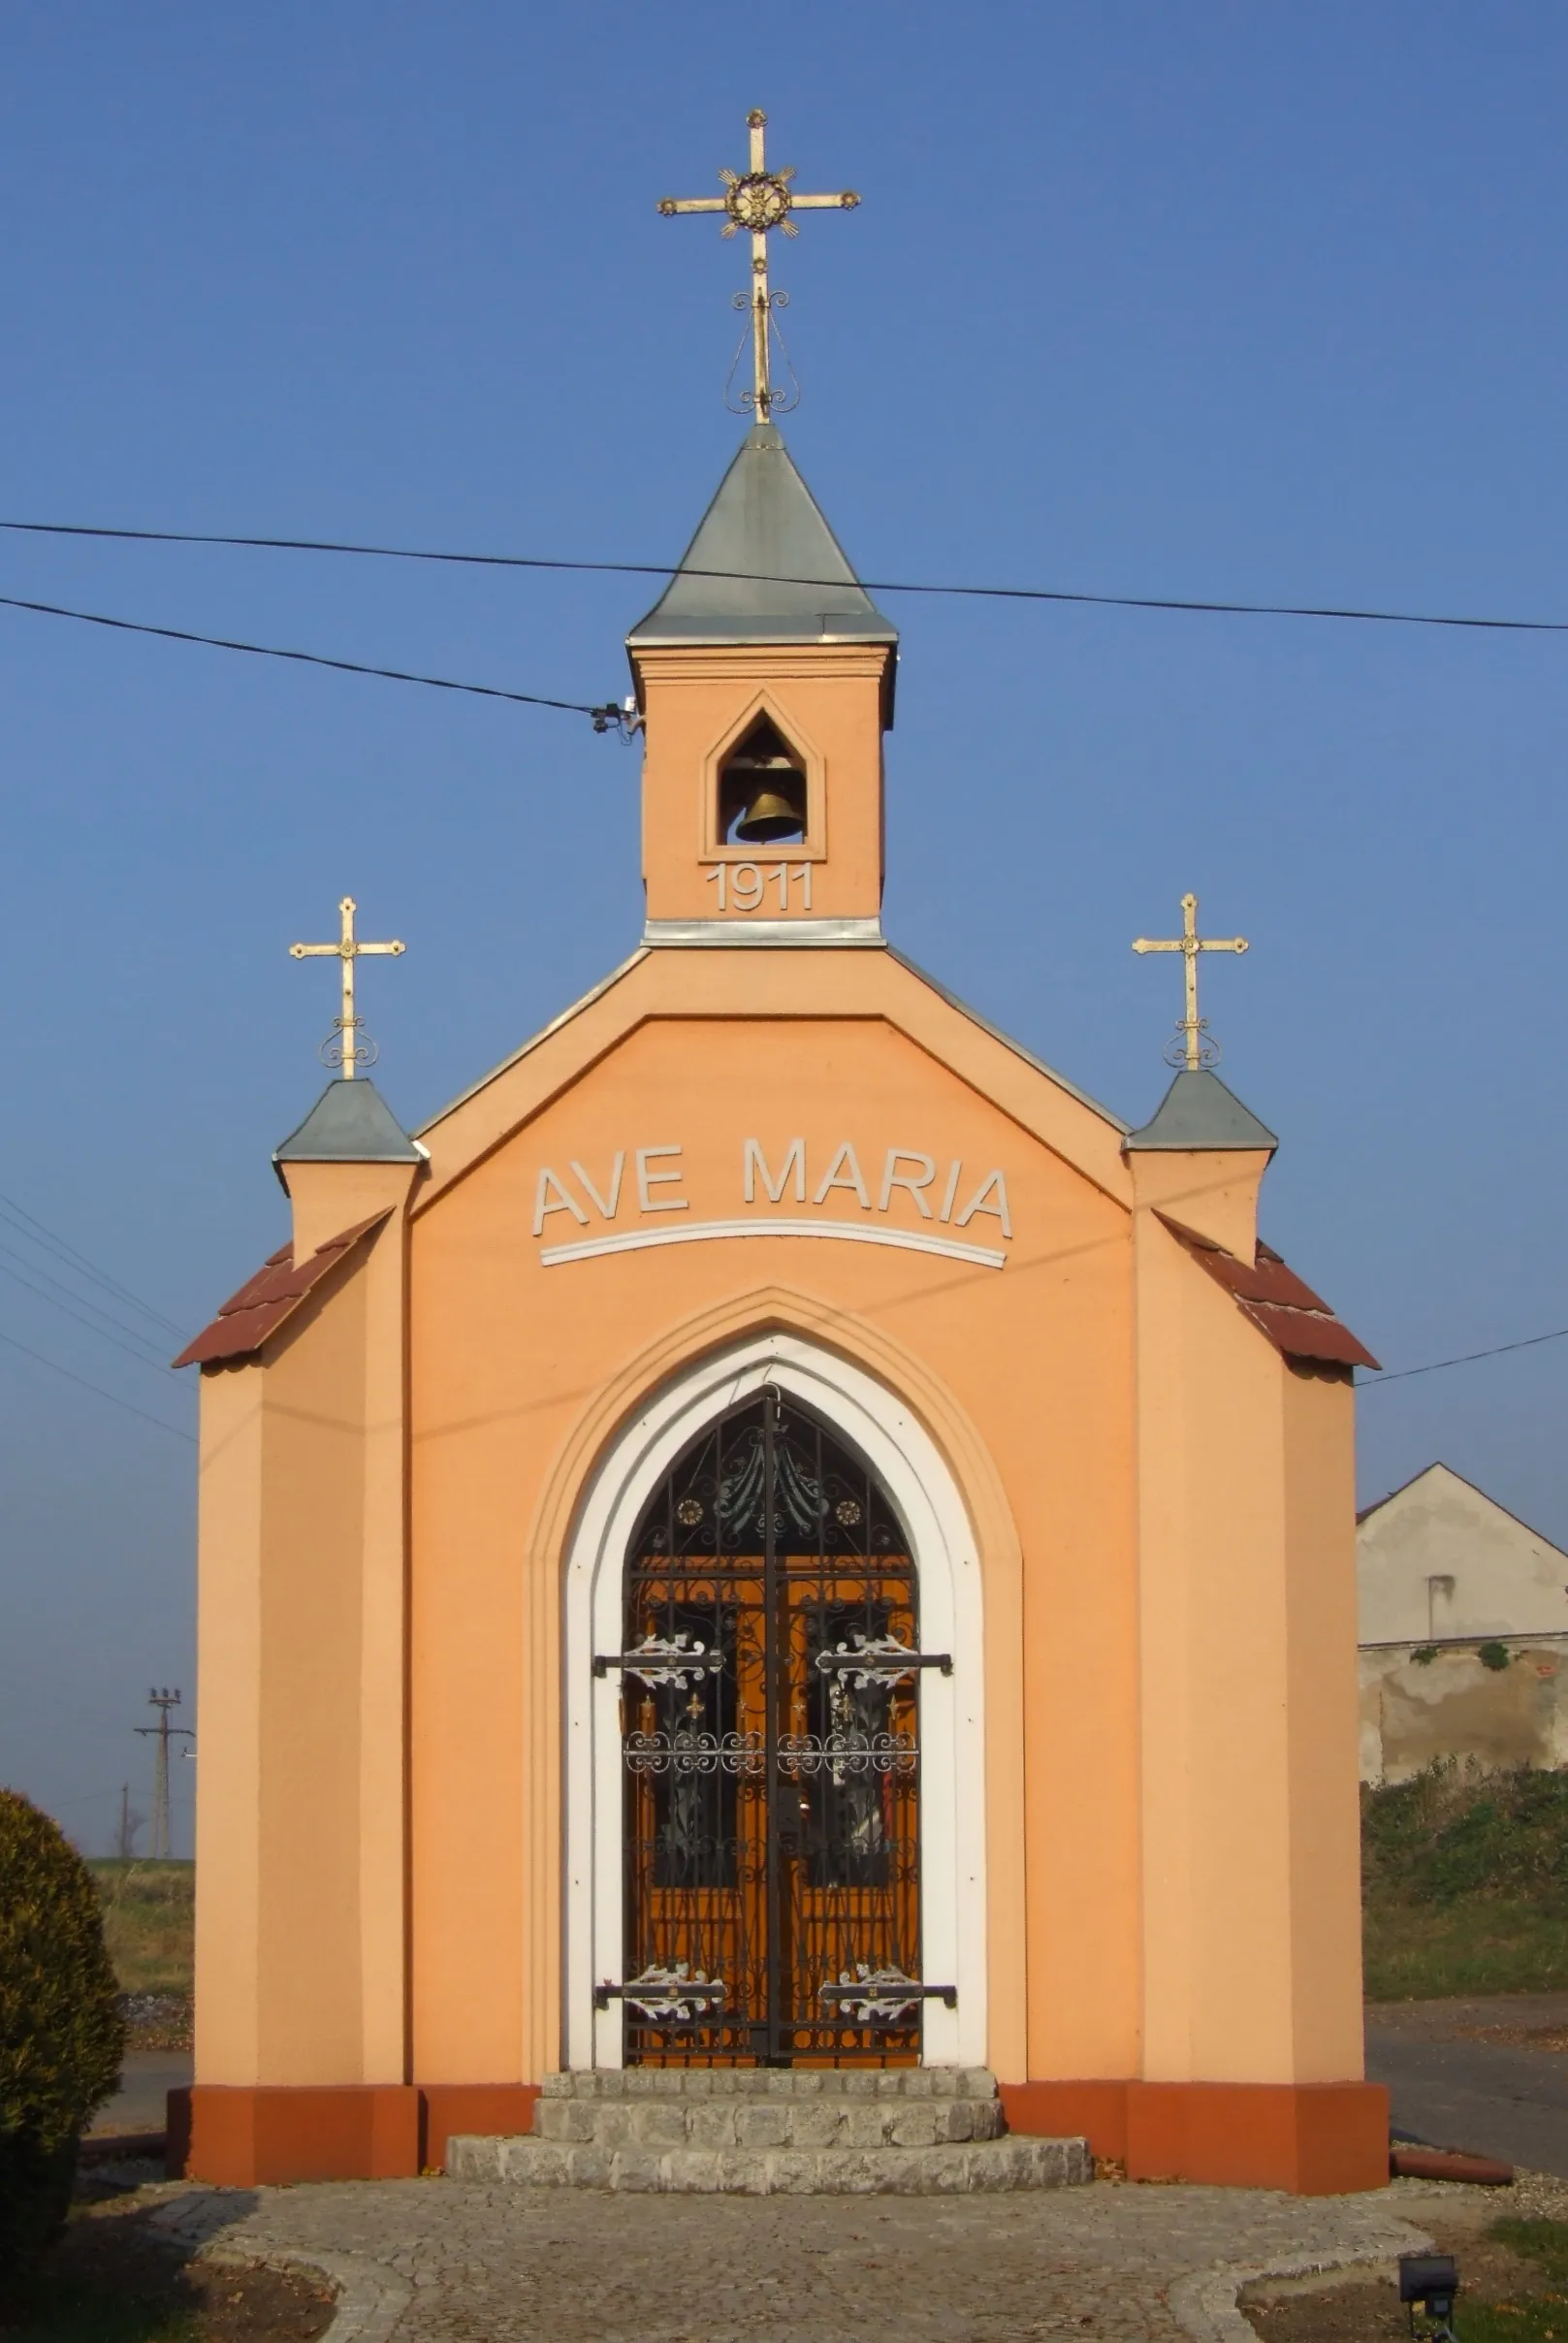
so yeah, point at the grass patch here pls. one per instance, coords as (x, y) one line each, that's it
(149, 1923)
(1532, 2319)
(1465, 1885)
(1543, 2242)
(1414, 1952)
(1527, 2318)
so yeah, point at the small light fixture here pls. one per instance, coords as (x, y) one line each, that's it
(1432, 2280)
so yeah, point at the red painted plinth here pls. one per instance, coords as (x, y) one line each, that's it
(247, 2136)
(1315, 2139)
(494, 2110)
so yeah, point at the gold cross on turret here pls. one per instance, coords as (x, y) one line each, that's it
(1193, 1049)
(759, 203)
(343, 1048)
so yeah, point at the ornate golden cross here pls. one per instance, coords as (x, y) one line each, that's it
(346, 1049)
(1194, 1050)
(759, 202)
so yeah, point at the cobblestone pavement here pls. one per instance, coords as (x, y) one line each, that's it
(448, 2262)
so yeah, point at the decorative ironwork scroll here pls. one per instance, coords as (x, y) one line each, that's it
(693, 1753)
(668, 1997)
(842, 1754)
(882, 1997)
(663, 1659)
(879, 1659)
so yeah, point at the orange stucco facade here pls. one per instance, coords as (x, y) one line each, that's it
(1159, 1498)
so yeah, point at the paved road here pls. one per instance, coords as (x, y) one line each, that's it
(1473, 2075)
(147, 2079)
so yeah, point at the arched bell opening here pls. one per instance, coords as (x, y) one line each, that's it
(770, 1667)
(762, 798)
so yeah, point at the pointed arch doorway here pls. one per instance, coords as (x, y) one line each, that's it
(805, 1809)
(770, 1661)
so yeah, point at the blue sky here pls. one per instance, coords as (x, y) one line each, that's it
(1217, 300)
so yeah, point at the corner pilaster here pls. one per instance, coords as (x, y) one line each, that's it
(1247, 1637)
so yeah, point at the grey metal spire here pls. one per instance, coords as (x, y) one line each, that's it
(786, 578)
(350, 1123)
(1197, 1112)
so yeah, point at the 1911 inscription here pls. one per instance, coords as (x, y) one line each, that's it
(743, 887)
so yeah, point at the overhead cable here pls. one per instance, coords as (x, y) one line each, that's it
(120, 1341)
(79, 1301)
(97, 1388)
(38, 1232)
(762, 577)
(310, 658)
(1465, 1359)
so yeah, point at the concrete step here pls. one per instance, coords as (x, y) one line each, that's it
(772, 2082)
(766, 2171)
(829, 2119)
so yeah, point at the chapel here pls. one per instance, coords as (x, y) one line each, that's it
(775, 1547)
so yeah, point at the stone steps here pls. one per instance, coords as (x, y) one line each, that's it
(772, 2082)
(992, 2165)
(829, 2121)
(757, 2132)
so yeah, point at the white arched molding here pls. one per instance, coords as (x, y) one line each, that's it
(905, 1458)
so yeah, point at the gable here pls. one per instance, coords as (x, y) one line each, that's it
(772, 1173)
(709, 1130)
(1440, 1560)
(751, 991)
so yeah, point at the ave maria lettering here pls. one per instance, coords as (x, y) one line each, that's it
(908, 1181)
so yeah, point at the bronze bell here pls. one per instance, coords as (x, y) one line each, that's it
(768, 816)
(774, 796)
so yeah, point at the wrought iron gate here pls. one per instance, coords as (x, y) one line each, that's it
(770, 1667)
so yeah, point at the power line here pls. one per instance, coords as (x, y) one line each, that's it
(309, 659)
(760, 577)
(112, 1398)
(134, 1334)
(159, 1367)
(1465, 1359)
(51, 1240)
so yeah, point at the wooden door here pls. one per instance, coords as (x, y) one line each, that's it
(770, 1671)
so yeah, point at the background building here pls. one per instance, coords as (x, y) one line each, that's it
(1463, 1633)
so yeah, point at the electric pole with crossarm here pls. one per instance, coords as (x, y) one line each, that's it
(163, 1732)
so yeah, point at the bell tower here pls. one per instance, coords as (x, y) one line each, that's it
(765, 675)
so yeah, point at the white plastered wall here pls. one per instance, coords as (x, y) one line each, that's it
(952, 1741)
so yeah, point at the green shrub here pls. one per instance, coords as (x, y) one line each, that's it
(1495, 1657)
(61, 2032)
(1453, 1834)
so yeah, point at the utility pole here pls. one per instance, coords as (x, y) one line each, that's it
(125, 1844)
(163, 1732)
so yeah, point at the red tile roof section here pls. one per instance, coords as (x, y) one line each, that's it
(1281, 1306)
(264, 1301)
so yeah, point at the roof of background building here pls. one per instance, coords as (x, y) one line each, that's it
(1437, 1465)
